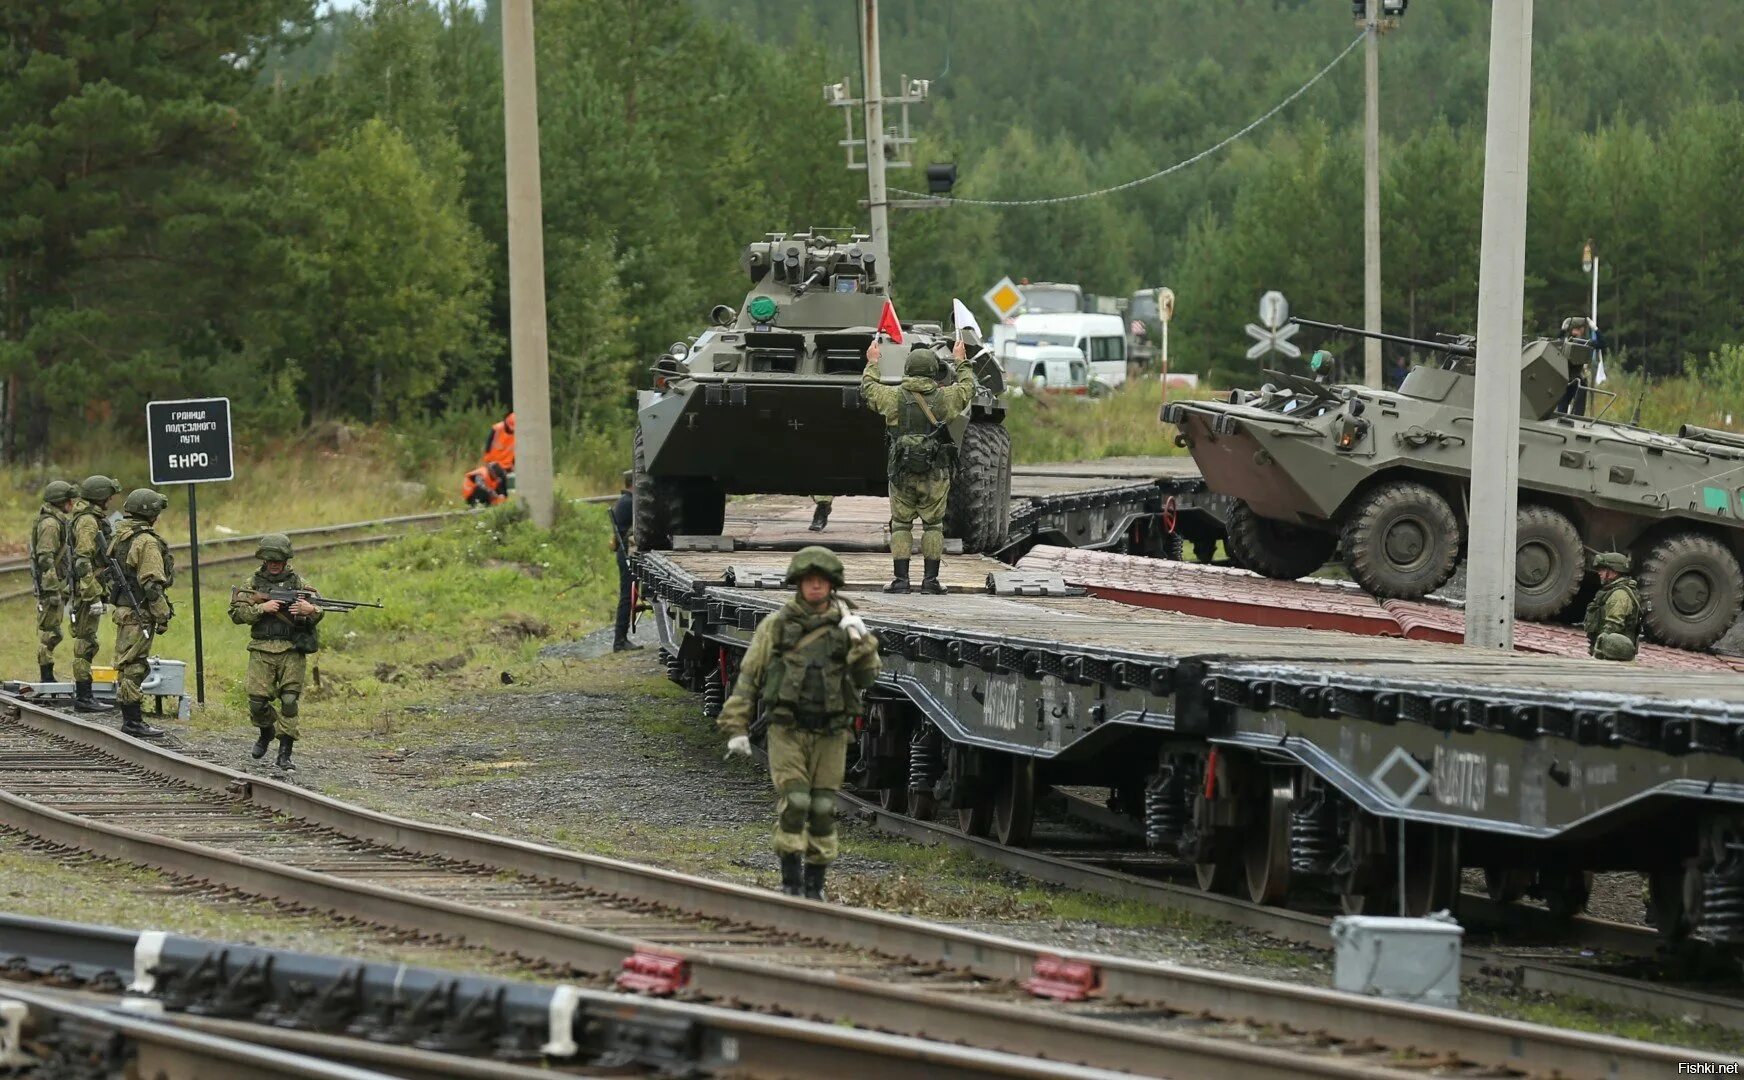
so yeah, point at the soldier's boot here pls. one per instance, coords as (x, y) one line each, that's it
(814, 881)
(899, 583)
(84, 700)
(132, 723)
(929, 582)
(820, 517)
(284, 761)
(624, 644)
(792, 871)
(45, 672)
(261, 744)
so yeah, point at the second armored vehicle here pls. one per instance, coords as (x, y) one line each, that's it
(1383, 478)
(768, 401)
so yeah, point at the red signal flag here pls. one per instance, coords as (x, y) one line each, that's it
(888, 324)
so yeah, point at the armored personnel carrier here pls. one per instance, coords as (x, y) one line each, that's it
(1382, 477)
(768, 401)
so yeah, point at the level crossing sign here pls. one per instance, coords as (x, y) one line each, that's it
(189, 441)
(1274, 331)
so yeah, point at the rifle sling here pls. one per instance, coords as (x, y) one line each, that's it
(921, 401)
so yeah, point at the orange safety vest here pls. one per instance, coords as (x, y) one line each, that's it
(499, 449)
(481, 486)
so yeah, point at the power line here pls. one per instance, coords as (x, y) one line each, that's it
(1158, 175)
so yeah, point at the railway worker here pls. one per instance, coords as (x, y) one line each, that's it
(50, 570)
(499, 444)
(280, 638)
(623, 519)
(820, 514)
(89, 533)
(807, 665)
(142, 572)
(1613, 619)
(920, 454)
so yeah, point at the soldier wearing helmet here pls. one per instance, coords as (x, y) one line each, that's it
(51, 569)
(89, 534)
(921, 454)
(1613, 619)
(142, 573)
(806, 668)
(280, 638)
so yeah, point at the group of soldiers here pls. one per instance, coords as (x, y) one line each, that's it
(85, 565)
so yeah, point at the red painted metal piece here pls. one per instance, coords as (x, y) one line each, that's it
(1211, 774)
(1063, 980)
(646, 972)
(1436, 622)
(1170, 514)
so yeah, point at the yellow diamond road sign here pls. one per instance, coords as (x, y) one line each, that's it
(1005, 298)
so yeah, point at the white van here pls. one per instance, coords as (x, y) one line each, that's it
(1047, 369)
(1101, 338)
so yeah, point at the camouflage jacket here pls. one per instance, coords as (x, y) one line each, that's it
(886, 401)
(48, 550)
(145, 561)
(1615, 610)
(860, 660)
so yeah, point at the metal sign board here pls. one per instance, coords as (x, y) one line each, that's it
(189, 441)
(1274, 310)
(1005, 298)
(1274, 340)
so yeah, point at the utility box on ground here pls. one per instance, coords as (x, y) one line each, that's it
(1415, 960)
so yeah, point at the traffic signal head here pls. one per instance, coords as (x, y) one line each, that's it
(941, 178)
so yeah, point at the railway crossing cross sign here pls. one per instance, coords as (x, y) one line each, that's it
(1273, 332)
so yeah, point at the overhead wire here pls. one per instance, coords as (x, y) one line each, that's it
(1160, 173)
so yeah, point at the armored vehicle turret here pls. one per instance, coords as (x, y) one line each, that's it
(1382, 478)
(767, 401)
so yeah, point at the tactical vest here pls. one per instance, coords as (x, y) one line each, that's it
(64, 563)
(1595, 616)
(122, 592)
(105, 536)
(808, 683)
(302, 636)
(914, 449)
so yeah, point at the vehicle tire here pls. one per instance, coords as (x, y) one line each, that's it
(1548, 563)
(1276, 549)
(705, 508)
(656, 506)
(979, 508)
(1401, 540)
(1691, 589)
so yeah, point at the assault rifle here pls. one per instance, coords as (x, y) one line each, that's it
(287, 597)
(116, 573)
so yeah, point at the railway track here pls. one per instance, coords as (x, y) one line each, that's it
(84, 786)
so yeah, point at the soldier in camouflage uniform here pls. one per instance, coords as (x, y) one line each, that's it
(51, 568)
(142, 611)
(806, 668)
(89, 533)
(920, 456)
(280, 639)
(1613, 619)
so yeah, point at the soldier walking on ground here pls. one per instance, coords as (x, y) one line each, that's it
(1613, 619)
(806, 667)
(51, 570)
(141, 571)
(89, 534)
(280, 638)
(920, 454)
(623, 513)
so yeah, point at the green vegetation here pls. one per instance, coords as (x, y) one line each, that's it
(1063, 428)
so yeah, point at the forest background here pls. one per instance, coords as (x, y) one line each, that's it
(302, 207)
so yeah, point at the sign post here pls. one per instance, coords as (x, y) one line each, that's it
(188, 442)
(1165, 312)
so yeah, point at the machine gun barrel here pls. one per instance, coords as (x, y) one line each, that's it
(1437, 346)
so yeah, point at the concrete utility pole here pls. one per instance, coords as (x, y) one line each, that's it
(1489, 590)
(1372, 192)
(872, 80)
(527, 343)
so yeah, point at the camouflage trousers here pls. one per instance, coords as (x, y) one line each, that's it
(132, 645)
(48, 626)
(275, 676)
(806, 768)
(924, 497)
(85, 626)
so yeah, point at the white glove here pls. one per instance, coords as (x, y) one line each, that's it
(854, 625)
(738, 746)
(97, 607)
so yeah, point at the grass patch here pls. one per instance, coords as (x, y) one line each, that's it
(1123, 423)
(1582, 1014)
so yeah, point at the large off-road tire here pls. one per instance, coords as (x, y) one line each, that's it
(704, 508)
(1401, 540)
(1691, 589)
(1276, 549)
(657, 505)
(979, 508)
(1548, 563)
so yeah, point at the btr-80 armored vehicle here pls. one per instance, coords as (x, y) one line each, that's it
(1383, 477)
(768, 401)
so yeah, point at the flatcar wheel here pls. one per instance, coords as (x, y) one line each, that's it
(1266, 846)
(1566, 891)
(922, 805)
(975, 820)
(1431, 869)
(1674, 898)
(1223, 876)
(1362, 890)
(894, 799)
(1014, 806)
(1505, 886)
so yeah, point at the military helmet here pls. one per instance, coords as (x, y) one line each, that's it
(1614, 647)
(816, 560)
(921, 362)
(1612, 560)
(144, 503)
(99, 487)
(1320, 359)
(58, 491)
(273, 547)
